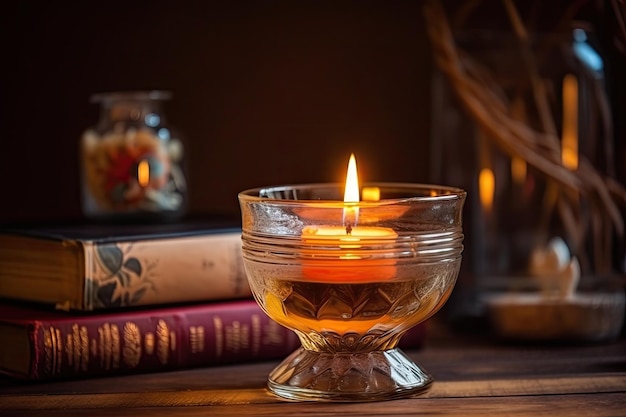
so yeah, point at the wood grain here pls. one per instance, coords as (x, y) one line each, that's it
(471, 378)
(579, 405)
(440, 390)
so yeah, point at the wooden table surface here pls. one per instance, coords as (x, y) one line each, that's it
(473, 377)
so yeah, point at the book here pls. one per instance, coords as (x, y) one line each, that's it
(88, 267)
(39, 345)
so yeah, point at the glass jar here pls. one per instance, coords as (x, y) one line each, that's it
(132, 161)
(526, 128)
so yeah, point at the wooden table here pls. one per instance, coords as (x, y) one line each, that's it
(474, 376)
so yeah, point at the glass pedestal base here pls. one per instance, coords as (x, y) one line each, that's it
(350, 377)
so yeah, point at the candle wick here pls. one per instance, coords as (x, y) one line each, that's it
(348, 229)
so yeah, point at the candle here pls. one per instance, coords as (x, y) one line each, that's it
(342, 259)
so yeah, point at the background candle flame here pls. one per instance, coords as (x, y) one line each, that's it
(486, 188)
(569, 141)
(143, 173)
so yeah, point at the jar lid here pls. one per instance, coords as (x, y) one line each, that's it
(130, 96)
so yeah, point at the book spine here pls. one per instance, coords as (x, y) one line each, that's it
(116, 344)
(164, 271)
(226, 333)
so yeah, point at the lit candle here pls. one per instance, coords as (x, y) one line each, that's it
(342, 260)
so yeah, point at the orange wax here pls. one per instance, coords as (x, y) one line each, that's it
(346, 264)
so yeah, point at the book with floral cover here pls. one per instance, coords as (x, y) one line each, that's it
(106, 266)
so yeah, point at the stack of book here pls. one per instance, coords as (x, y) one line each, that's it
(99, 299)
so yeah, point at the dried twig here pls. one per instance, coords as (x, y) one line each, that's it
(619, 9)
(587, 201)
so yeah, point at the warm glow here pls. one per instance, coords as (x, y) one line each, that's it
(569, 141)
(371, 193)
(486, 187)
(351, 195)
(143, 173)
(518, 170)
(353, 267)
(347, 263)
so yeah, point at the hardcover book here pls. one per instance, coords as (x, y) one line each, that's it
(104, 266)
(38, 344)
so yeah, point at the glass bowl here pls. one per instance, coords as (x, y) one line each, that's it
(350, 279)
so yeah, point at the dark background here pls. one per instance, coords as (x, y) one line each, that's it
(265, 92)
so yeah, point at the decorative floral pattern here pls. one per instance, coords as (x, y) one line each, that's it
(132, 170)
(119, 280)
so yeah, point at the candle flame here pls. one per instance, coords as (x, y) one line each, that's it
(371, 193)
(351, 196)
(518, 170)
(569, 141)
(486, 188)
(143, 173)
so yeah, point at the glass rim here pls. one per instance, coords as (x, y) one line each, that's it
(444, 193)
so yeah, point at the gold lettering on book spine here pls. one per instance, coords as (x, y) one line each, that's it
(53, 350)
(131, 353)
(173, 341)
(78, 354)
(105, 346)
(115, 346)
(83, 336)
(148, 343)
(163, 341)
(69, 349)
(219, 336)
(47, 348)
(237, 336)
(76, 346)
(59, 354)
(196, 338)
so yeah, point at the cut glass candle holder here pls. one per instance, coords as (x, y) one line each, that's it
(350, 279)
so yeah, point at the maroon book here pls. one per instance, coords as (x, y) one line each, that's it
(42, 344)
(38, 344)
